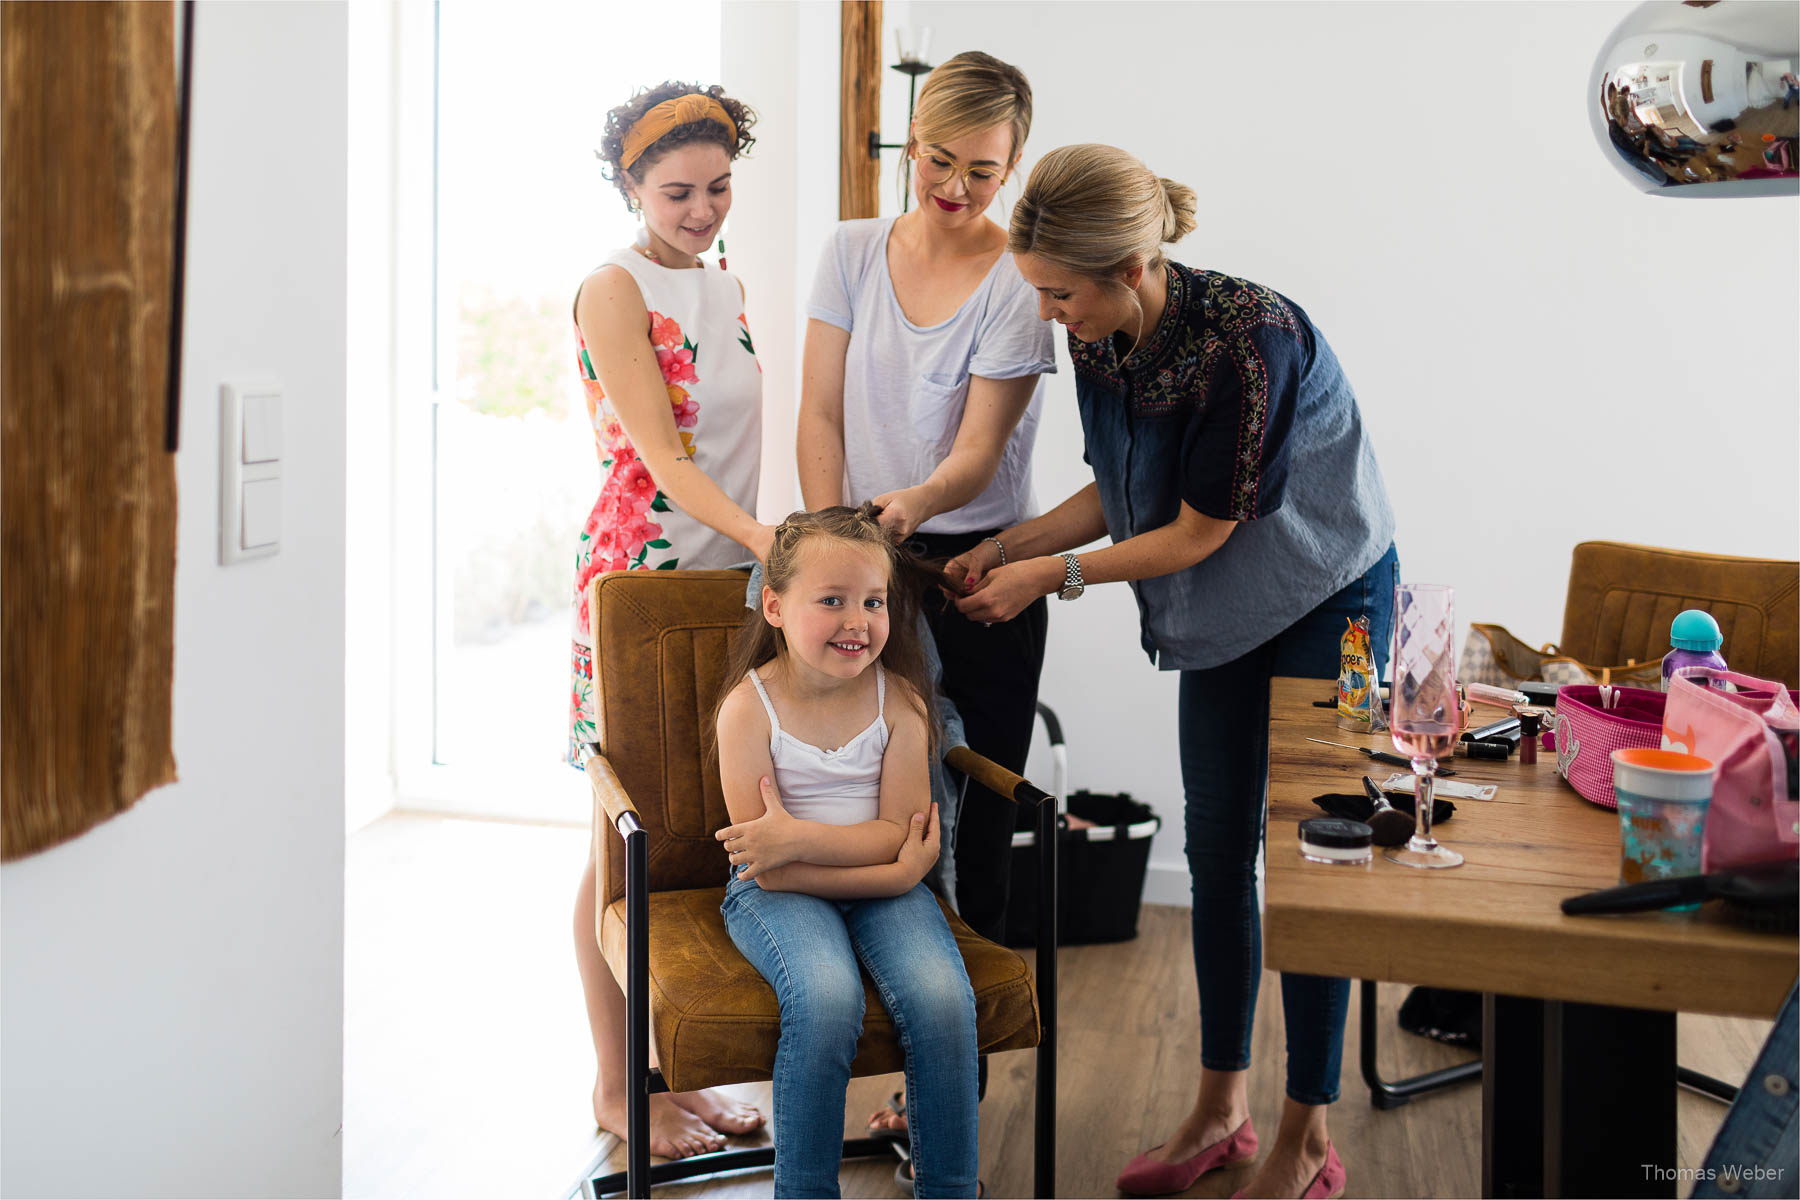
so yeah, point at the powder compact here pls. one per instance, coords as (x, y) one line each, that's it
(1336, 840)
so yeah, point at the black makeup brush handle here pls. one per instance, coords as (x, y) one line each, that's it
(1648, 896)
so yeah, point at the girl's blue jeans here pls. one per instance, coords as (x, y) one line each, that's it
(809, 950)
(1224, 730)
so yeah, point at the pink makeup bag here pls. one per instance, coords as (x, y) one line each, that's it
(1588, 731)
(1751, 736)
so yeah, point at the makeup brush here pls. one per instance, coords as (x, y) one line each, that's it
(1391, 826)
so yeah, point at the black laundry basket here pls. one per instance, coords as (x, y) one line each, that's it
(1101, 869)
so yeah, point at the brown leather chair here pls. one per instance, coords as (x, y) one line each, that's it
(1622, 599)
(660, 649)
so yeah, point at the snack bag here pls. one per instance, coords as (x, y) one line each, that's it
(1359, 682)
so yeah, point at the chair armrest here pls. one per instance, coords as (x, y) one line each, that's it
(996, 778)
(609, 794)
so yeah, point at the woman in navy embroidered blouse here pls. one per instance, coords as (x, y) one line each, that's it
(1237, 484)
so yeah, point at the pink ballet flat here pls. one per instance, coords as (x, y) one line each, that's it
(1144, 1176)
(1328, 1184)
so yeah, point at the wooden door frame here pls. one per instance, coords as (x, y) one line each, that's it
(859, 109)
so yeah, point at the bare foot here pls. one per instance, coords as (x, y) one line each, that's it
(721, 1111)
(886, 1118)
(674, 1131)
(1196, 1133)
(1287, 1171)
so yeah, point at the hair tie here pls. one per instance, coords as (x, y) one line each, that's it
(682, 110)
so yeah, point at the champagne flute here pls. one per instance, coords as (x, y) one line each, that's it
(1424, 714)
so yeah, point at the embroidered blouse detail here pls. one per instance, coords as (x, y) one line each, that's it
(1208, 324)
(1236, 407)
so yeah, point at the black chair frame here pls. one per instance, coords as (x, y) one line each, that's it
(640, 1176)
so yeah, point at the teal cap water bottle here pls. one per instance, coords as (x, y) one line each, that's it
(1696, 640)
(1695, 630)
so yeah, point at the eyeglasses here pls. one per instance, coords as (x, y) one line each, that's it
(980, 181)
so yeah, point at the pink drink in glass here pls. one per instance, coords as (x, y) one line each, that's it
(1424, 705)
(1425, 740)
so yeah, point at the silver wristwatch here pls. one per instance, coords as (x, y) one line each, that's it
(1072, 586)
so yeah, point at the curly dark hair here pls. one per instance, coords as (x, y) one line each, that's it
(620, 120)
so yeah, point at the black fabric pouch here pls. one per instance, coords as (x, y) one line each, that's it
(1358, 807)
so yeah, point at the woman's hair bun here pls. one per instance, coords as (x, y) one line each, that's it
(1180, 209)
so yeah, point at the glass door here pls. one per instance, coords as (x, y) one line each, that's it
(522, 214)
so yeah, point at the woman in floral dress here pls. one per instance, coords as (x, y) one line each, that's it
(674, 393)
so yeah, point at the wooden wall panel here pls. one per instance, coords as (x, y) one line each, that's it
(87, 490)
(859, 110)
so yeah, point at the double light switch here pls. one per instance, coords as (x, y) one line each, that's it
(250, 449)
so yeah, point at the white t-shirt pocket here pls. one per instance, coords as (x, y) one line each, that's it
(936, 408)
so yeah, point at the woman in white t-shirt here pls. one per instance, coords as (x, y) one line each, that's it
(923, 384)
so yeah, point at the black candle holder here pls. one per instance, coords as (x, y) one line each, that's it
(912, 71)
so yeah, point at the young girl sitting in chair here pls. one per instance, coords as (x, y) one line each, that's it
(824, 748)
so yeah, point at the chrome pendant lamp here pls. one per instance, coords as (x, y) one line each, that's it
(1701, 98)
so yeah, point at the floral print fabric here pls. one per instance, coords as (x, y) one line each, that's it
(708, 364)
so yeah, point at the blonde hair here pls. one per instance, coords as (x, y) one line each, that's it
(967, 94)
(1096, 211)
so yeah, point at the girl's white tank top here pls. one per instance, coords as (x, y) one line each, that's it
(833, 787)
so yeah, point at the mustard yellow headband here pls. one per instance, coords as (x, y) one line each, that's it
(682, 110)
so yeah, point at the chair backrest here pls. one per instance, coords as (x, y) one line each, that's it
(1623, 598)
(660, 643)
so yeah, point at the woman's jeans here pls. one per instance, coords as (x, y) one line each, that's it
(809, 949)
(1225, 774)
(1757, 1152)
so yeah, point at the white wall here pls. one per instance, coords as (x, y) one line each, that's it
(1543, 355)
(172, 986)
(784, 201)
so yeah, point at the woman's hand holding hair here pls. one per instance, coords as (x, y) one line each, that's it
(968, 571)
(1004, 593)
(763, 844)
(903, 511)
(920, 849)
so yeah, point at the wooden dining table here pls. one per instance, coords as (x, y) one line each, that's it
(1579, 1070)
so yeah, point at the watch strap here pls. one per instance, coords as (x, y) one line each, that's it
(1072, 580)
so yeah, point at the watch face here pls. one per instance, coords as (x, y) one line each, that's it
(1070, 592)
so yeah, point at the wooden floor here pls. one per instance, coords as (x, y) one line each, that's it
(467, 1063)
